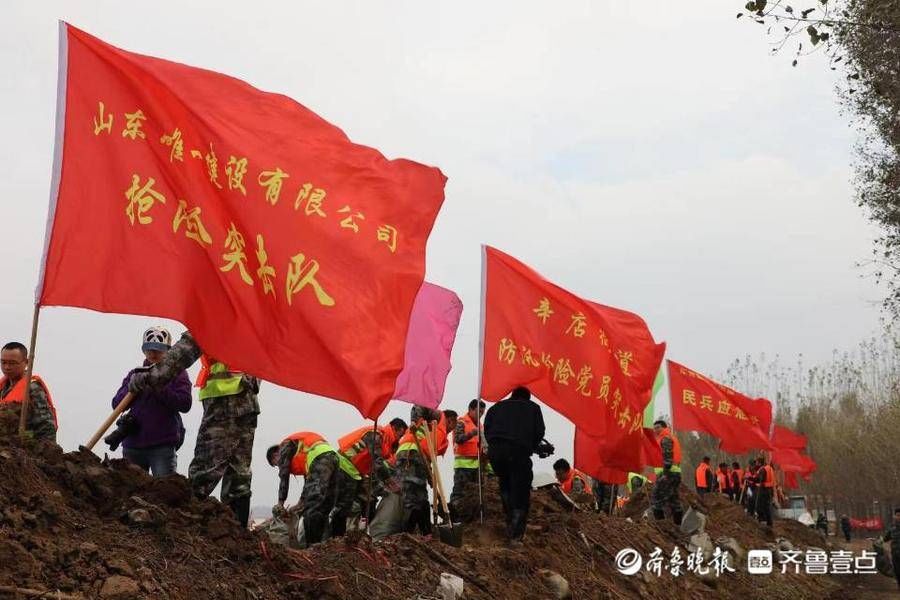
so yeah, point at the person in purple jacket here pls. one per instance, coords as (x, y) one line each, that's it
(151, 431)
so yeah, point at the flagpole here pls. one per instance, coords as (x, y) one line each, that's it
(26, 400)
(56, 172)
(371, 472)
(480, 370)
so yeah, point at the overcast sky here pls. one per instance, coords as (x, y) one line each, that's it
(646, 155)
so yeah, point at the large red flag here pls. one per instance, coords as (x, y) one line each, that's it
(289, 251)
(783, 437)
(701, 404)
(594, 364)
(602, 459)
(761, 409)
(650, 449)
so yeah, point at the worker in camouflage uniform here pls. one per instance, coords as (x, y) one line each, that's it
(668, 478)
(41, 413)
(330, 483)
(467, 455)
(603, 495)
(414, 464)
(372, 453)
(225, 439)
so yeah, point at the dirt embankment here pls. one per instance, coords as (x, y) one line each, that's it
(85, 529)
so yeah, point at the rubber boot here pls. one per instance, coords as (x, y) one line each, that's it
(241, 508)
(313, 529)
(658, 514)
(518, 524)
(411, 521)
(338, 525)
(677, 515)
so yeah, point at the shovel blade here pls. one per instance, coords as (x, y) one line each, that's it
(450, 534)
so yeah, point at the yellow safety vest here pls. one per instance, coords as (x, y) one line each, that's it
(221, 382)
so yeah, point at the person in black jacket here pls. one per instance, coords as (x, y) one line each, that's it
(514, 428)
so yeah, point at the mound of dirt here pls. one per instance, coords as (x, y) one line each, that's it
(72, 526)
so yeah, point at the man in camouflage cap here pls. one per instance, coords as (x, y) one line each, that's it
(225, 439)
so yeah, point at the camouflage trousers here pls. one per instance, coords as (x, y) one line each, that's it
(414, 478)
(665, 494)
(465, 485)
(346, 491)
(603, 496)
(223, 453)
(328, 495)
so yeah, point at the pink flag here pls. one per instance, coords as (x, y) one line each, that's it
(429, 341)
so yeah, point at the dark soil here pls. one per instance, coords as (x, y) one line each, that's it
(72, 524)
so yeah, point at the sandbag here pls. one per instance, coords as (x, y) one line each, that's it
(388, 518)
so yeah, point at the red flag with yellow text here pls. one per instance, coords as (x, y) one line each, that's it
(701, 404)
(592, 363)
(289, 251)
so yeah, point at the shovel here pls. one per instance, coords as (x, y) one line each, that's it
(449, 533)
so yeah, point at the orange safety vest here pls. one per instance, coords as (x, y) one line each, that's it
(676, 445)
(700, 474)
(469, 448)
(723, 481)
(770, 476)
(353, 447)
(306, 441)
(740, 474)
(415, 436)
(17, 394)
(570, 480)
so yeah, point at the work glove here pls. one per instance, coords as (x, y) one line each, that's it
(137, 383)
(279, 511)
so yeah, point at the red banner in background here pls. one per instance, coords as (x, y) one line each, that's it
(793, 461)
(289, 251)
(873, 524)
(701, 404)
(593, 364)
(790, 481)
(783, 437)
(599, 458)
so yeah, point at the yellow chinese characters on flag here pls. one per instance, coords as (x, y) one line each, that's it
(592, 363)
(188, 194)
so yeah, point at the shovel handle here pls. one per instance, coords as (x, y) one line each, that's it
(126, 401)
(438, 482)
